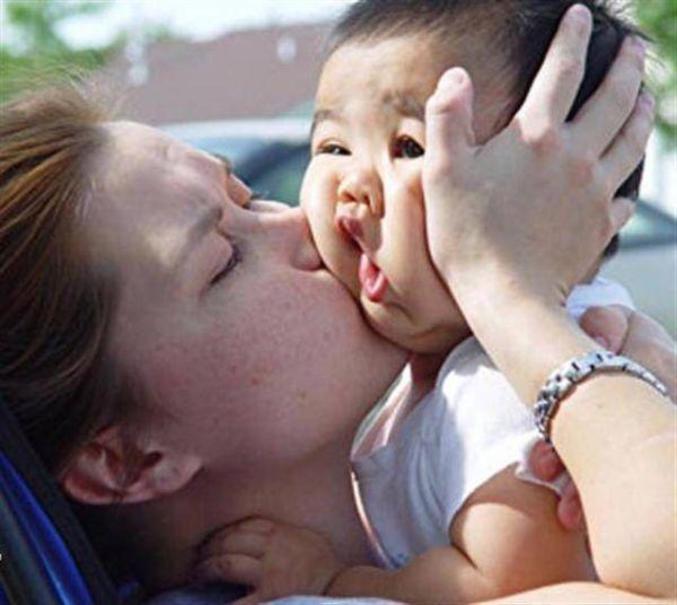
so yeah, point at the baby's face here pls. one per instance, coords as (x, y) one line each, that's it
(362, 190)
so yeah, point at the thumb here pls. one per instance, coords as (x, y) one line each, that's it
(607, 325)
(449, 116)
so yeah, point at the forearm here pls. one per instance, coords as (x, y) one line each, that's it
(616, 435)
(577, 593)
(442, 575)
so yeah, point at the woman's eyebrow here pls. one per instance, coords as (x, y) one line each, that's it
(225, 162)
(205, 222)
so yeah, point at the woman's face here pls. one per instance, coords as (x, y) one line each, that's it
(251, 352)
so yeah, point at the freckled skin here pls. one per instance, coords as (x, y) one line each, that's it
(238, 353)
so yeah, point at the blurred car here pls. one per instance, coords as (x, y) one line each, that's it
(271, 157)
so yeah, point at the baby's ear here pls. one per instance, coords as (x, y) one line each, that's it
(112, 468)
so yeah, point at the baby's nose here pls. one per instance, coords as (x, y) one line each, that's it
(362, 185)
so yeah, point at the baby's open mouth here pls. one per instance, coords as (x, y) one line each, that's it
(372, 279)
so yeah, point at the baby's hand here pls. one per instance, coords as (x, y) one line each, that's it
(275, 559)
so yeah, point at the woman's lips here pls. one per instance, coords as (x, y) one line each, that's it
(372, 279)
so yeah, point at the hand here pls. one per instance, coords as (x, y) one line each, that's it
(531, 211)
(275, 559)
(637, 336)
(620, 330)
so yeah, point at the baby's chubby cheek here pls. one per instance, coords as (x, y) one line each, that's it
(339, 254)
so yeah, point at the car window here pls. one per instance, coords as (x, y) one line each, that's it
(236, 149)
(648, 226)
(282, 181)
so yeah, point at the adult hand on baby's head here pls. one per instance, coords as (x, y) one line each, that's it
(531, 210)
(274, 559)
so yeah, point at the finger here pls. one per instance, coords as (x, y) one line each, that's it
(240, 542)
(544, 462)
(258, 524)
(449, 114)
(607, 325)
(251, 599)
(621, 211)
(556, 84)
(239, 569)
(603, 115)
(628, 148)
(570, 509)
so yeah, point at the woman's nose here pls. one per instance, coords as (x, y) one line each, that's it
(294, 239)
(362, 185)
(238, 191)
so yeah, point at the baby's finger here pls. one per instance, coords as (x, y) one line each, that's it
(626, 151)
(570, 509)
(239, 569)
(237, 542)
(555, 87)
(603, 115)
(258, 525)
(544, 462)
(607, 325)
(251, 599)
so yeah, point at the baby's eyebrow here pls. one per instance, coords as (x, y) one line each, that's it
(321, 115)
(405, 104)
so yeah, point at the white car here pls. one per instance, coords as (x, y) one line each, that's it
(271, 156)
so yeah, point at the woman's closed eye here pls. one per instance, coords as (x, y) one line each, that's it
(407, 148)
(231, 263)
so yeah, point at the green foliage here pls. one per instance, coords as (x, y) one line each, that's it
(658, 18)
(33, 49)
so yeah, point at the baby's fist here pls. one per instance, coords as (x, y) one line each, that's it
(274, 559)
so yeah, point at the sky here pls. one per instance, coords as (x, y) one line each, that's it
(198, 19)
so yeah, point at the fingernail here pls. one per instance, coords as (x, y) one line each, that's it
(452, 78)
(579, 14)
(600, 340)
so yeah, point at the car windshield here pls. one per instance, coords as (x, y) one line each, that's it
(236, 149)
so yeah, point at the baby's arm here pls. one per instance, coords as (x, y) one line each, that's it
(507, 539)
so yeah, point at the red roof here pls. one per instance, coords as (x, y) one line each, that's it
(253, 73)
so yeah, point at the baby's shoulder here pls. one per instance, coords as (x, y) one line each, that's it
(469, 373)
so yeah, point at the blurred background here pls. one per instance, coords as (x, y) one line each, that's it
(238, 77)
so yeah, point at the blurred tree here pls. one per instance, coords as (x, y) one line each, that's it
(658, 18)
(31, 44)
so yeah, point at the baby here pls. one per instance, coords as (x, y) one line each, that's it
(441, 481)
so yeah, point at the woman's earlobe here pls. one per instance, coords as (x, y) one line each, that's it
(110, 470)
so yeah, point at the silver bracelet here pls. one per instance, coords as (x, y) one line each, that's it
(574, 371)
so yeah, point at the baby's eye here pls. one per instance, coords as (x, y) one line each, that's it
(406, 147)
(332, 149)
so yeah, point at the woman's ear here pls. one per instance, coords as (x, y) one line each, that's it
(112, 468)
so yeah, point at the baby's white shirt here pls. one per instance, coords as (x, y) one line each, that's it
(426, 463)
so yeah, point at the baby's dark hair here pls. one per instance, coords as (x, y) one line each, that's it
(519, 30)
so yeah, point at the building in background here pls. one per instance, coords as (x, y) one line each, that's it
(242, 74)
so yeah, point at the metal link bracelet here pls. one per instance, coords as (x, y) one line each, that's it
(576, 370)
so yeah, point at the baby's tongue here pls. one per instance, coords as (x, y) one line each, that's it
(372, 279)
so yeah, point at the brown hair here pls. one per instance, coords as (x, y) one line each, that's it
(56, 306)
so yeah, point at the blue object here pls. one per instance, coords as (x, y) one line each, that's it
(46, 544)
(46, 558)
